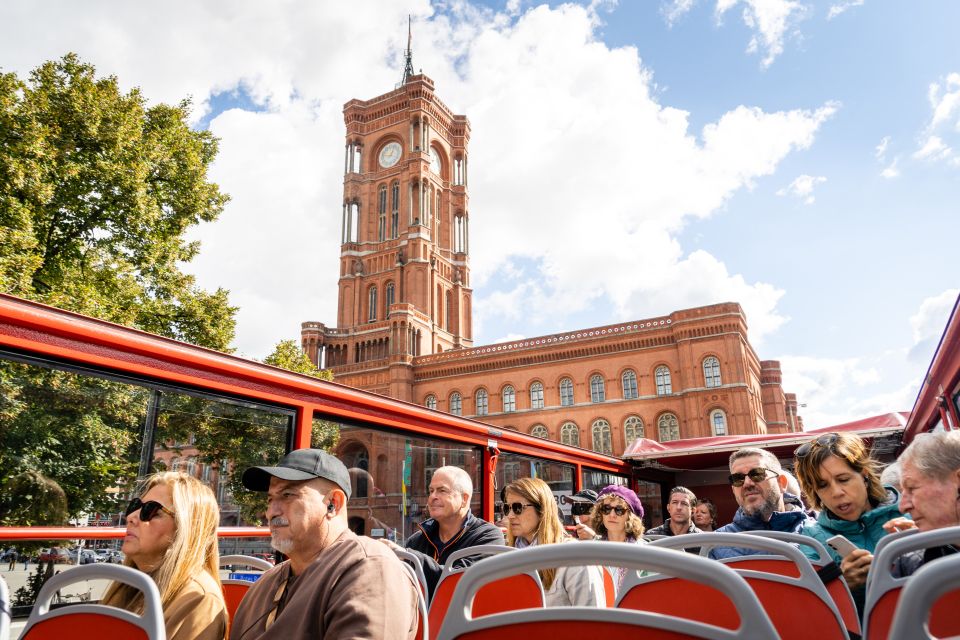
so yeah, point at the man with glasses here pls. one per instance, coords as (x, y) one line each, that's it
(451, 526)
(759, 486)
(334, 583)
(680, 511)
(581, 509)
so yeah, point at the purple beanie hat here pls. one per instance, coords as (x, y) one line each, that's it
(627, 495)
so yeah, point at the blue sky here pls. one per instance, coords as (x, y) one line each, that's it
(627, 160)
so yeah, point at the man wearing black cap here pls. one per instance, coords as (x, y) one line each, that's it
(334, 584)
(581, 506)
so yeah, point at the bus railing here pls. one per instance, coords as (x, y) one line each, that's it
(107, 533)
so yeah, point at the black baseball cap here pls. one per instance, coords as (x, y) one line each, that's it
(584, 496)
(302, 464)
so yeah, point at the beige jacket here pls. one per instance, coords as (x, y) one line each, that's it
(197, 612)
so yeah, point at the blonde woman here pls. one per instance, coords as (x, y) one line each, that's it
(172, 537)
(618, 517)
(533, 519)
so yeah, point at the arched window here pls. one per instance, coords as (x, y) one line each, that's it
(456, 404)
(481, 402)
(389, 295)
(539, 431)
(536, 396)
(372, 305)
(430, 402)
(598, 392)
(601, 437)
(719, 421)
(629, 383)
(509, 397)
(382, 210)
(566, 392)
(632, 429)
(662, 375)
(669, 427)
(395, 210)
(711, 372)
(570, 434)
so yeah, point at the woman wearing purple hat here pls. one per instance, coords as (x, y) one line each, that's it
(618, 517)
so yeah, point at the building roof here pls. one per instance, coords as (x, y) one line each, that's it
(705, 453)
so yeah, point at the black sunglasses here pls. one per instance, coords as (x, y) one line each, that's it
(827, 440)
(758, 475)
(580, 508)
(606, 509)
(148, 510)
(518, 507)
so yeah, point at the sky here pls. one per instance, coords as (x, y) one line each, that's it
(627, 159)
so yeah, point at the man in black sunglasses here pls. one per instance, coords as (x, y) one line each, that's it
(759, 486)
(335, 584)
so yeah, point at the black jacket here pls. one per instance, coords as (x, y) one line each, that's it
(433, 553)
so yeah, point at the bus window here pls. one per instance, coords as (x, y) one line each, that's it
(391, 473)
(512, 467)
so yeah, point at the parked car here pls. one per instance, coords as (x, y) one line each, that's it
(110, 555)
(87, 556)
(55, 554)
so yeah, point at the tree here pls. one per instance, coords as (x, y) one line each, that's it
(97, 191)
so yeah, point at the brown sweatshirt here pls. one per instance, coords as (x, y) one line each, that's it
(355, 588)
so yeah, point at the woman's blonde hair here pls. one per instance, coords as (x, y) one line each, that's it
(848, 447)
(633, 526)
(194, 546)
(550, 529)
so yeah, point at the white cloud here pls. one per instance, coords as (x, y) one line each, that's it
(881, 151)
(891, 171)
(676, 9)
(928, 322)
(802, 187)
(843, 7)
(769, 19)
(540, 86)
(933, 149)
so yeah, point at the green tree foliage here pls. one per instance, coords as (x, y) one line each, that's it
(288, 355)
(97, 191)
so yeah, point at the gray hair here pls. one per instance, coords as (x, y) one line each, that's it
(934, 455)
(793, 485)
(891, 475)
(686, 492)
(771, 460)
(462, 482)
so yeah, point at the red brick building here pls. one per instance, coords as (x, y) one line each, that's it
(404, 312)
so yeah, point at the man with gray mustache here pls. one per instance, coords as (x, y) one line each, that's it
(759, 486)
(334, 584)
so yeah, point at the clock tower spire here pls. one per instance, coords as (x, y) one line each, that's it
(404, 288)
(408, 64)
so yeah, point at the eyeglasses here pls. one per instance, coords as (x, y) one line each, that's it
(758, 475)
(518, 507)
(827, 440)
(148, 510)
(606, 509)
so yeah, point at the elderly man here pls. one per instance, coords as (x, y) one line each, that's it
(930, 479)
(758, 485)
(334, 584)
(680, 511)
(451, 526)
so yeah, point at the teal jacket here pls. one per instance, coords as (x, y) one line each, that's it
(864, 532)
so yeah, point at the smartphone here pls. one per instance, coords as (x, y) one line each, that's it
(841, 545)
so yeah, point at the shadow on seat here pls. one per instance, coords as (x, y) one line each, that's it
(520, 590)
(96, 621)
(576, 623)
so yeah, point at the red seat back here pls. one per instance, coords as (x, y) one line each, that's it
(521, 591)
(84, 626)
(233, 592)
(681, 598)
(609, 587)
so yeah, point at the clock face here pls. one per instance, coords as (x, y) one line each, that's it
(435, 163)
(390, 154)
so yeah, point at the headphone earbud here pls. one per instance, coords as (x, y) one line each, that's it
(331, 508)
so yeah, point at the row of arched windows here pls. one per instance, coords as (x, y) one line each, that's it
(668, 428)
(598, 390)
(390, 293)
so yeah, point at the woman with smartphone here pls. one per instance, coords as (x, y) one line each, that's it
(533, 519)
(842, 480)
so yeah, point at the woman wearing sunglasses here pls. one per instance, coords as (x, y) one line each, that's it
(842, 480)
(534, 519)
(618, 517)
(172, 537)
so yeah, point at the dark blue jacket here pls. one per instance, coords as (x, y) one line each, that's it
(788, 521)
